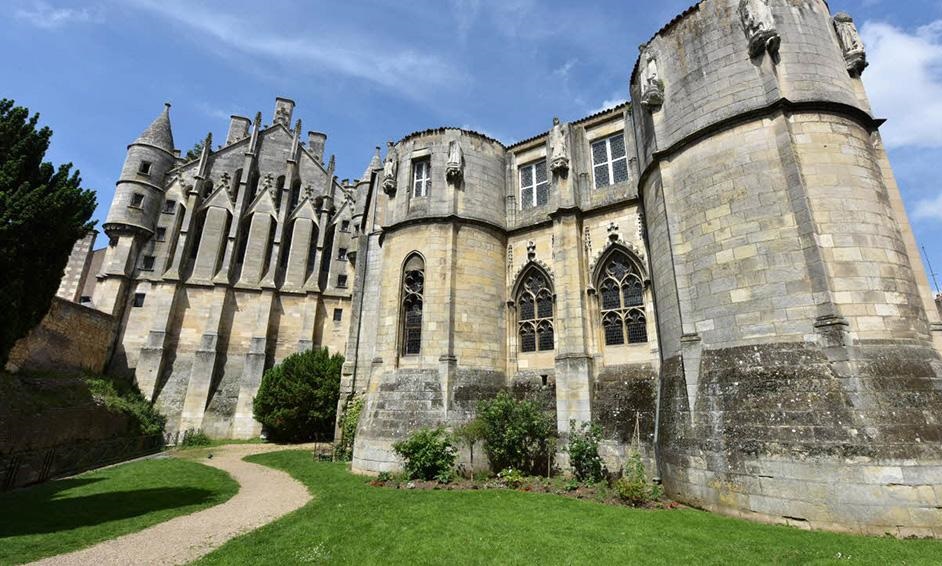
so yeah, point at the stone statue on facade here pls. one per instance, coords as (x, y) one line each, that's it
(759, 25)
(559, 148)
(390, 168)
(652, 88)
(854, 54)
(454, 167)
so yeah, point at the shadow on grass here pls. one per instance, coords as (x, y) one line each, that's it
(40, 510)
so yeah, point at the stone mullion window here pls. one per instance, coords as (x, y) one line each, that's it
(535, 314)
(610, 161)
(421, 177)
(534, 185)
(621, 297)
(413, 288)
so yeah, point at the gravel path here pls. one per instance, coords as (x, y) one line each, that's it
(264, 495)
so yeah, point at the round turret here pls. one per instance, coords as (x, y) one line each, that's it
(446, 171)
(798, 369)
(139, 191)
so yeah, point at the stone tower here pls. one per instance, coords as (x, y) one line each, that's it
(134, 210)
(800, 375)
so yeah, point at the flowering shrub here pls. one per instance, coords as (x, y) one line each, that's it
(583, 451)
(516, 434)
(429, 454)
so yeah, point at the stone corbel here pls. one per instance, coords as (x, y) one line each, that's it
(759, 25)
(855, 56)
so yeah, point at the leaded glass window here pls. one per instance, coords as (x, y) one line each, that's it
(534, 185)
(609, 161)
(413, 288)
(535, 313)
(621, 298)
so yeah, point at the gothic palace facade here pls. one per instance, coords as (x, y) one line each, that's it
(725, 260)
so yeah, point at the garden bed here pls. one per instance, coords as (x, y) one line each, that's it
(566, 487)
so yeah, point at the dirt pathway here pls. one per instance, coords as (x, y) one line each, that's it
(264, 495)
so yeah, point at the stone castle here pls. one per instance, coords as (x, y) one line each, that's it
(725, 261)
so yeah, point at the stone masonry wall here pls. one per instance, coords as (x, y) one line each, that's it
(70, 338)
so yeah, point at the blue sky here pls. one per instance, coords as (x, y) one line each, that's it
(99, 70)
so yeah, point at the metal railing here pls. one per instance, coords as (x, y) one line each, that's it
(28, 467)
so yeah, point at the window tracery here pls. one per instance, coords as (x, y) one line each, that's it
(413, 288)
(535, 314)
(621, 299)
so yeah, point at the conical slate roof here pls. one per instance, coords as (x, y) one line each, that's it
(158, 133)
(375, 164)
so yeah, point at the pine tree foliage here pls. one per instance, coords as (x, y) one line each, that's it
(195, 151)
(43, 212)
(297, 399)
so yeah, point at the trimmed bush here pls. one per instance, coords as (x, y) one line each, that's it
(298, 398)
(516, 433)
(583, 452)
(634, 488)
(349, 420)
(429, 454)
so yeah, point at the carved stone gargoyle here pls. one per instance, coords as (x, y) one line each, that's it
(559, 149)
(759, 25)
(454, 167)
(652, 88)
(854, 54)
(390, 168)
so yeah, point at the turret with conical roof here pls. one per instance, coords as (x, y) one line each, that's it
(139, 191)
(138, 200)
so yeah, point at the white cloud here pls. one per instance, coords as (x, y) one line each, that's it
(403, 70)
(615, 100)
(43, 15)
(904, 82)
(929, 209)
(564, 70)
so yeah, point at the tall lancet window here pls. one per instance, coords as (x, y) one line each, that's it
(535, 313)
(413, 289)
(621, 295)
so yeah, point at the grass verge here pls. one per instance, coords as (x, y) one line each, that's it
(349, 522)
(68, 514)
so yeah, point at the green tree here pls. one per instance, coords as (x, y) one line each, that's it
(298, 397)
(195, 151)
(43, 211)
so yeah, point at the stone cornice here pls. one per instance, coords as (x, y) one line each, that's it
(782, 105)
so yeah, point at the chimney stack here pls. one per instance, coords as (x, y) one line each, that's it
(238, 129)
(315, 143)
(284, 108)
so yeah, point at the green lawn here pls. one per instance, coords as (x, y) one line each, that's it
(69, 514)
(349, 522)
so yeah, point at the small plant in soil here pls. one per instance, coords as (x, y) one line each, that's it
(634, 488)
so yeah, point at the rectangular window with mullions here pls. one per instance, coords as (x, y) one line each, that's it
(609, 161)
(421, 177)
(534, 185)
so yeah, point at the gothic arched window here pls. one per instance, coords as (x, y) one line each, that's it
(621, 297)
(535, 314)
(413, 288)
